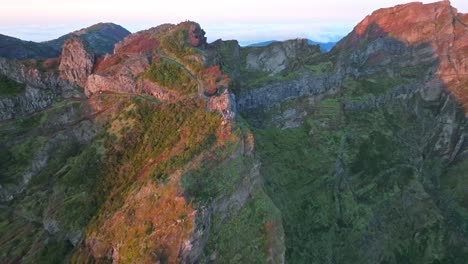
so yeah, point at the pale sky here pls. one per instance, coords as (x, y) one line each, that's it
(245, 20)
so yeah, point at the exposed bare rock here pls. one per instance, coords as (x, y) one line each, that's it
(276, 57)
(225, 104)
(197, 35)
(415, 34)
(42, 88)
(306, 85)
(77, 61)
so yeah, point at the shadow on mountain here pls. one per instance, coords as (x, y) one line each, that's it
(369, 167)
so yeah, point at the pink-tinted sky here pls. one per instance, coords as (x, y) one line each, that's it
(246, 20)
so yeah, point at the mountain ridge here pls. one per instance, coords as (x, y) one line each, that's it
(324, 46)
(102, 37)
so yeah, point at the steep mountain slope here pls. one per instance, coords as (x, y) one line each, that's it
(367, 166)
(173, 150)
(152, 168)
(101, 37)
(13, 48)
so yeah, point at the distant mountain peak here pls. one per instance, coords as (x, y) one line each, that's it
(324, 46)
(101, 36)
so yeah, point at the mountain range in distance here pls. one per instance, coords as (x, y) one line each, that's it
(324, 46)
(101, 37)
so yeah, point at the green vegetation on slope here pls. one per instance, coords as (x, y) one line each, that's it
(295, 162)
(176, 43)
(377, 193)
(59, 196)
(169, 134)
(320, 68)
(145, 144)
(213, 180)
(243, 238)
(10, 87)
(173, 76)
(255, 79)
(244, 231)
(75, 183)
(371, 85)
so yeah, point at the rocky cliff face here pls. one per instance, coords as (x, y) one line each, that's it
(76, 61)
(41, 90)
(279, 55)
(272, 94)
(385, 143)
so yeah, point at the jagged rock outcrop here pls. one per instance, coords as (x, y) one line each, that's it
(278, 56)
(30, 102)
(77, 61)
(41, 90)
(225, 104)
(196, 35)
(133, 57)
(226, 54)
(306, 85)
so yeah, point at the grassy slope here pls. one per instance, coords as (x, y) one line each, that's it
(180, 65)
(70, 164)
(235, 236)
(381, 201)
(295, 162)
(82, 184)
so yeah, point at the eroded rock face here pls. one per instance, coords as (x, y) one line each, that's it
(120, 78)
(77, 61)
(306, 85)
(31, 101)
(42, 88)
(277, 56)
(197, 35)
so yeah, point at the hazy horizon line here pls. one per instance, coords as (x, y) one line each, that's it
(245, 33)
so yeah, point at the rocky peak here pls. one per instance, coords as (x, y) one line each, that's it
(279, 56)
(77, 60)
(196, 35)
(410, 23)
(433, 31)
